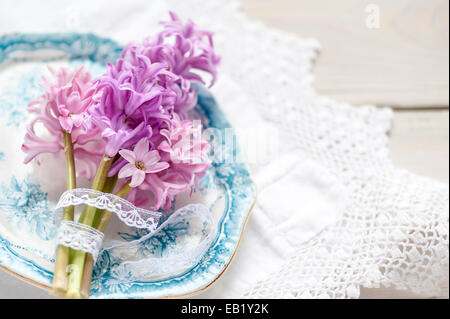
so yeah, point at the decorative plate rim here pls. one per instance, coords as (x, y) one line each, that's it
(103, 50)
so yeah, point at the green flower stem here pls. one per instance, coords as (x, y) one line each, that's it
(59, 285)
(107, 215)
(101, 226)
(110, 184)
(87, 218)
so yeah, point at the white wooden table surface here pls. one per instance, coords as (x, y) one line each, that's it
(401, 60)
(403, 63)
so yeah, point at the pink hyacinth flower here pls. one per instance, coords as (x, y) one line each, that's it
(182, 146)
(183, 141)
(68, 93)
(140, 163)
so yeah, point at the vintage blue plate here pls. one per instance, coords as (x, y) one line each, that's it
(28, 193)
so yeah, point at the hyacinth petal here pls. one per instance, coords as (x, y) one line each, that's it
(165, 133)
(156, 168)
(34, 151)
(114, 144)
(137, 178)
(117, 166)
(174, 16)
(141, 149)
(158, 188)
(87, 161)
(63, 110)
(151, 158)
(66, 123)
(164, 147)
(135, 101)
(125, 138)
(74, 102)
(128, 170)
(128, 155)
(137, 198)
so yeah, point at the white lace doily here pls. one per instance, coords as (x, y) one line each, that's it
(393, 227)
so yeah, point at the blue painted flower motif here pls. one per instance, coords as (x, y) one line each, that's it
(120, 280)
(16, 118)
(6, 108)
(28, 207)
(16, 96)
(2, 156)
(29, 86)
(101, 269)
(108, 277)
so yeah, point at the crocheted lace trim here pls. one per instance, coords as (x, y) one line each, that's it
(394, 229)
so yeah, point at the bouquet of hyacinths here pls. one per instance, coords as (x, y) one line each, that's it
(128, 131)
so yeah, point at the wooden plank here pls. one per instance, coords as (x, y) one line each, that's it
(391, 293)
(403, 63)
(420, 142)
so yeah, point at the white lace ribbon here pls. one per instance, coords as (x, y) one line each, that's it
(80, 237)
(128, 213)
(201, 232)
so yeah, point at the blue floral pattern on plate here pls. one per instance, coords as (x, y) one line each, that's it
(26, 206)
